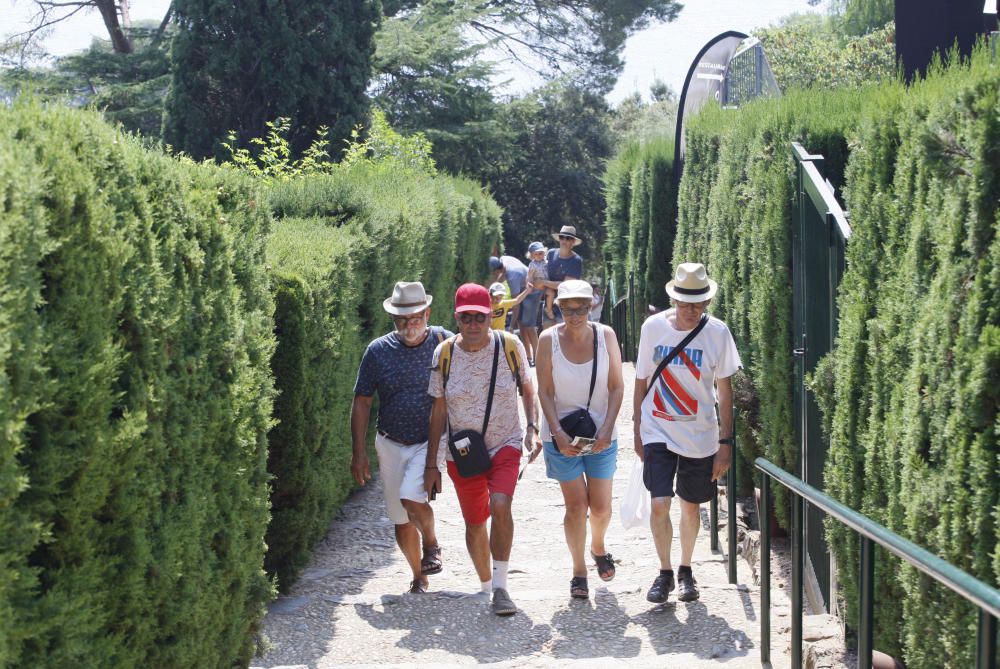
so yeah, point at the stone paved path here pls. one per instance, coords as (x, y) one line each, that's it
(347, 610)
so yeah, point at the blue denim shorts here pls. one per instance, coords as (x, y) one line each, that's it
(597, 466)
(531, 310)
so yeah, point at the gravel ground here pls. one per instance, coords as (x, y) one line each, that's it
(347, 610)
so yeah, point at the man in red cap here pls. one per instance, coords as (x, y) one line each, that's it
(475, 387)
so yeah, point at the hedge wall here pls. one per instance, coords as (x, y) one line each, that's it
(911, 392)
(135, 396)
(641, 208)
(344, 241)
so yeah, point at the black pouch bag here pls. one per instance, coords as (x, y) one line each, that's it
(580, 423)
(468, 447)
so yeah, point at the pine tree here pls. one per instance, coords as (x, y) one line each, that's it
(239, 65)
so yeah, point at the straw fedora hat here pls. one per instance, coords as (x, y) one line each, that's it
(691, 283)
(408, 297)
(567, 231)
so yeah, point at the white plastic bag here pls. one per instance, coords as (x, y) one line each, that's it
(634, 510)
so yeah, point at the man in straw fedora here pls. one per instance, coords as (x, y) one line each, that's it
(678, 435)
(397, 367)
(562, 264)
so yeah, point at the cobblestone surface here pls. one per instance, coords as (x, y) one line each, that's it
(347, 610)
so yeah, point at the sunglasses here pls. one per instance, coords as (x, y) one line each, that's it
(407, 320)
(566, 238)
(578, 311)
(467, 318)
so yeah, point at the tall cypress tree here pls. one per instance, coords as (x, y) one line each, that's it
(237, 65)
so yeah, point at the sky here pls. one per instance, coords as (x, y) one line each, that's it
(662, 51)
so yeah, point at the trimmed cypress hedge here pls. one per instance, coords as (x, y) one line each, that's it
(641, 208)
(135, 338)
(345, 240)
(911, 392)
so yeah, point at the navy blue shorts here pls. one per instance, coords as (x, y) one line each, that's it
(694, 475)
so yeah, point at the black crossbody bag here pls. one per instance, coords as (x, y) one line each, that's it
(580, 423)
(468, 447)
(673, 354)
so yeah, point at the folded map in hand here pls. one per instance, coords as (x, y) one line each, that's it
(586, 445)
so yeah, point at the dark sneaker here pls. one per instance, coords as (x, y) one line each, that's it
(662, 586)
(503, 605)
(687, 587)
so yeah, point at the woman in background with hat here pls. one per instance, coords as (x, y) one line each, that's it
(580, 388)
(563, 263)
(685, 362)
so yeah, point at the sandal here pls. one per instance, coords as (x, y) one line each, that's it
(431, 563)
(578, 588)
(605, 566)
(417, 587)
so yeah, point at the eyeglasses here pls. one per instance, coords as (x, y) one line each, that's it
(467, 318)
(696, 306)
(408, 320)
(578, 311)
(566, 238)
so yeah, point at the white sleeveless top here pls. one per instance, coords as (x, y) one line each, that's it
(572, 383)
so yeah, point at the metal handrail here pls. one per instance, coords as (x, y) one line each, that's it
(713, 514)
(965, 585)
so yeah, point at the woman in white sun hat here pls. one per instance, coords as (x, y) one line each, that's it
(580, 387)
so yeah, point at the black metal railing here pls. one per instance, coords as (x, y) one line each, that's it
(871, 533)
(713, 514)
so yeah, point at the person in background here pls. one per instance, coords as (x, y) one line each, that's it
(597, 306)
(563, 263)
(501, 306)
(570, 356)
(397, 367)
(531, 315)
(678, 434)
(515, 273)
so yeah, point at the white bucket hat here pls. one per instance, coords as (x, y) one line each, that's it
(498, 288)
(691, 283)
(575, 289)
(408, 297)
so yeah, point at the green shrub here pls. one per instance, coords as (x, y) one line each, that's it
(915, 373)
(135, 337)
(346, 239)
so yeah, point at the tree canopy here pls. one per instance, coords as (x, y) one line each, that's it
(237, 66)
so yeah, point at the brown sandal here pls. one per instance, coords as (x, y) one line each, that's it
(417, 587)
(578, 588)
(431, 563)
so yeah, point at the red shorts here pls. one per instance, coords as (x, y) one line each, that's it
(474, 492)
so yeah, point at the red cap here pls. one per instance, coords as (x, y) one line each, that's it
(473, 297)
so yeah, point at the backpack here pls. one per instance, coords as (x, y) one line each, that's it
(509, 354)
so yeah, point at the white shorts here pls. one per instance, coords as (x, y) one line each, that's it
(402, 471)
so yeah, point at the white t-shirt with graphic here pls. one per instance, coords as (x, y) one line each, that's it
(469, 388)
(680, 408)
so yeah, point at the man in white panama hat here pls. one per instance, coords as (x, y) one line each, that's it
(677, 432)
(397, 367)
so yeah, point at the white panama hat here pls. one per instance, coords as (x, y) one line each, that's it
(408, 297)
(691, 283)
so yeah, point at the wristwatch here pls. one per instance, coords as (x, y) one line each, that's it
(532, 426)
(728, 440)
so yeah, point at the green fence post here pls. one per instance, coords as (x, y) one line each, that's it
(765, 569)
(798, 530)
(713, 516)
(986, 641)
(866, 607)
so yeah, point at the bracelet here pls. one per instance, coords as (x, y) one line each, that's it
(532, 426)
(728, 440)
(557, 430)
(426, 468)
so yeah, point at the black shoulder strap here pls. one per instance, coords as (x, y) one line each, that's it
(493, 381)
(593, 368)
(673, 354)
